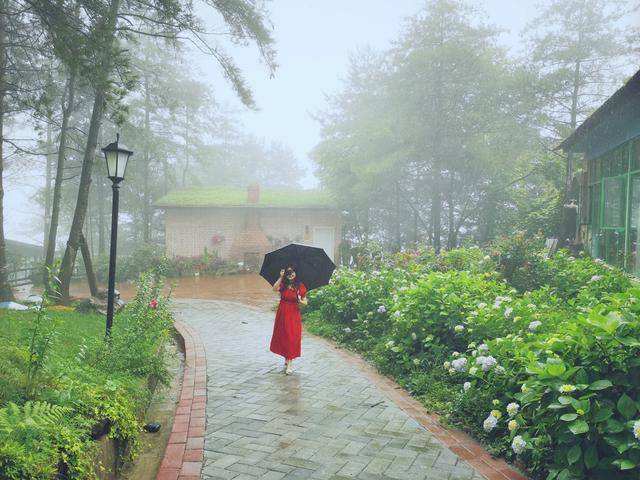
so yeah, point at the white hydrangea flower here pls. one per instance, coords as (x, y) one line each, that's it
(414, 336)
(483, 348)
(512, 425)
(416, 361)
(486, 363)
(595, 278)
(347, 330)
(496, 413)
(397, 314)
(489, 423)
(455, 354)
(466, 386)
(459, 364)
(447, 365)
(507, 312)
(518, 444)
(458, 328)
(452, 371)
(382, 309)
(474, 353)
(533, 326)
(636, 429)
(486, 258)
(513, 409)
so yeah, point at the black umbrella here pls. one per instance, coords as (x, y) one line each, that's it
(312, 264)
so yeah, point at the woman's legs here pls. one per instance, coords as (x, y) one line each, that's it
(288, 366)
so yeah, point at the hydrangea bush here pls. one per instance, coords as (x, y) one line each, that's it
(537, 357)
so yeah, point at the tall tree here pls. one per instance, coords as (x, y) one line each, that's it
(244, 20)
(579, 47)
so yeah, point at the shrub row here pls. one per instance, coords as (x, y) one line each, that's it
(543, 367)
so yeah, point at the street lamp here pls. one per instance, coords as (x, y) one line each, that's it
(117, 155)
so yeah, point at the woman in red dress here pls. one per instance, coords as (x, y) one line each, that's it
(287, 330)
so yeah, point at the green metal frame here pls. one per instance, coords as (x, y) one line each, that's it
(626, 197)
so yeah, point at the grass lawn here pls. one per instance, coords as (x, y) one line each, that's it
(62, 385)
(73, 328)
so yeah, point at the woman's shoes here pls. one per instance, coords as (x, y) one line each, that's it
(288, 368)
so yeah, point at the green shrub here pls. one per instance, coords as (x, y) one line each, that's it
(66, 385)
(538, 357)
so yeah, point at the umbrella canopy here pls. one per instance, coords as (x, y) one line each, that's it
(312, 264)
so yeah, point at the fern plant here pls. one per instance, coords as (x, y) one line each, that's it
(37, 437)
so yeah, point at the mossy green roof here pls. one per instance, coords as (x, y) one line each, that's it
(237, 197)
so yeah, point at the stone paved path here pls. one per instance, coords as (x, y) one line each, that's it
(326, 421)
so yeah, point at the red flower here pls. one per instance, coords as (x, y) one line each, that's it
(153, 303)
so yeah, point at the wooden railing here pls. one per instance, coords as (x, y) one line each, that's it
(19, 277)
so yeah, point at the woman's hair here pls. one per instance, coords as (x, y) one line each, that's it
(287, 282)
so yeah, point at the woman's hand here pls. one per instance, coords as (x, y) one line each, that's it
(303, 300)
(282, 273)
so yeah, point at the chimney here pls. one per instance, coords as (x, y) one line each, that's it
(253, 193)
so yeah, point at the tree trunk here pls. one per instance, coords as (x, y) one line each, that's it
(566, 228)
(489, 216)
(79, 214)
(47, 184)
(436, 213)
(6, 294)
(88, 266)
(397, 219)
(57, 185)
(146, 208)
(102, 228)
(186, 147)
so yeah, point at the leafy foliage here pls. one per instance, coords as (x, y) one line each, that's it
(64, 390)
(536, 356)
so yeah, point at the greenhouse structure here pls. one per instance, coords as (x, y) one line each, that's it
(609, 203)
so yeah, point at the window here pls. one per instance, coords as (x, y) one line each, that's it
(614, 202)
(635, 155)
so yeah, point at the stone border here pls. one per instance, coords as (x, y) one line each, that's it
(460, 443)
(185, 450)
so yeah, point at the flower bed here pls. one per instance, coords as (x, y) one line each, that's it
(544, 368)
(62, 386)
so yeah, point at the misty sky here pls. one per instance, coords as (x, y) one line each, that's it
(314, 38)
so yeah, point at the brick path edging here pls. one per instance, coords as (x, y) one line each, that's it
(460, 443)
(185, 450)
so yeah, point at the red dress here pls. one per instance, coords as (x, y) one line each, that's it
(287, 329)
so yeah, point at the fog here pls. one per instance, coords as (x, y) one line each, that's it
(410, 123)
(313, 40)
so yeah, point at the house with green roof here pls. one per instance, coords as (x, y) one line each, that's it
(239, 224)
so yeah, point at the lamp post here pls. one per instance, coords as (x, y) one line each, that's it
(117, 155)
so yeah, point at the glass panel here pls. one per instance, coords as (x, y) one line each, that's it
(594, 208)
(634, 215)
(613, 252)
(620, 160)
(635, 155)
(614, 204)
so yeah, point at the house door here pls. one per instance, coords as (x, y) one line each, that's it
(324, 237)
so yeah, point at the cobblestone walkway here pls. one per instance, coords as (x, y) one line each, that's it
(326, 421)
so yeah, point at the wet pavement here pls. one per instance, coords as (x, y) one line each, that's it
(326, 421)
(248, 288)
